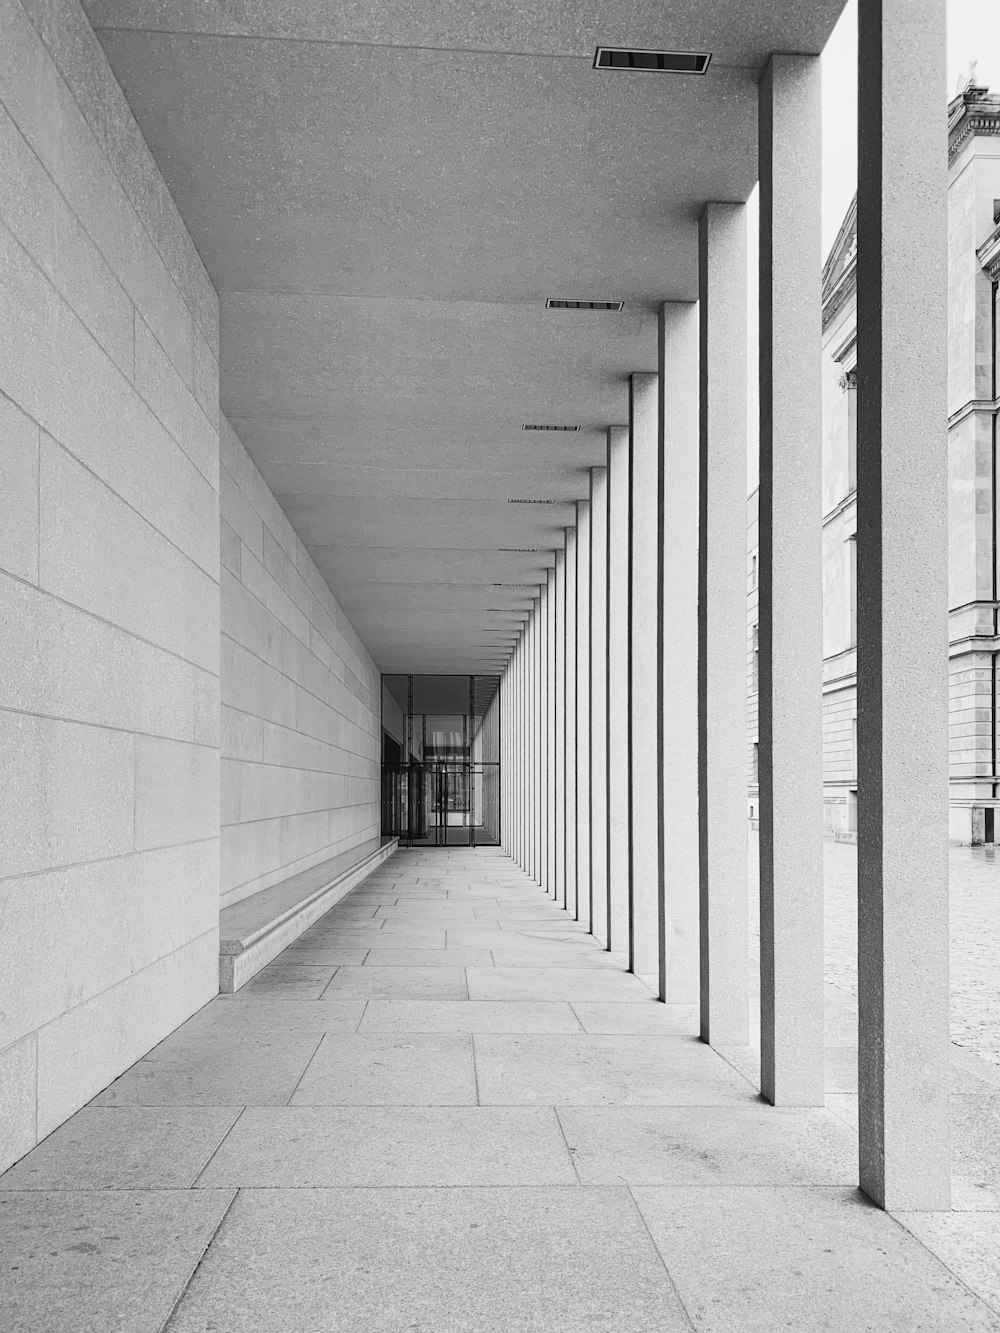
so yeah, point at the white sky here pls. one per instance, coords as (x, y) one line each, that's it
(973, 34)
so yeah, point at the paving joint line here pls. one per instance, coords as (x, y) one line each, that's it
(198, 1263)
(659, 1254)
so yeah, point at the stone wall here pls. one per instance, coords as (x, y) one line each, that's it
(301, 698)
(109, 585)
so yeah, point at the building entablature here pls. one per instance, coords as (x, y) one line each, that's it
(988, 255)
(973, 113)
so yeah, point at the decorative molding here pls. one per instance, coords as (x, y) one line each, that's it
(988, 254)
(973, 113)
(843, 292)
(849, 379)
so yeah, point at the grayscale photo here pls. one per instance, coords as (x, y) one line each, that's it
(499, 666)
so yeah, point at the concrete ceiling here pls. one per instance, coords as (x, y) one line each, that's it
(384, 193)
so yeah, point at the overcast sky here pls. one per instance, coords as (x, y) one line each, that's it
(973, 34)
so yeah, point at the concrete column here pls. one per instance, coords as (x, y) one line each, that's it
(539, 775)
(559, 754)
(599, 699)
(678, 642)
(569, 830)
(644, 802)
(525, 747)
(514, 759)
(722, 682)
(903, 1066)
(583, 899)
(531, 721)
(550, 748)
(618, 776)
(543, 737)
(791, 586)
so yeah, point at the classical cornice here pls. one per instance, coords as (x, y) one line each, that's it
(972, 113)
(988, 255)
(841, 292)
(840, 272)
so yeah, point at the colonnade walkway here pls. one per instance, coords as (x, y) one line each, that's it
(445, 1108)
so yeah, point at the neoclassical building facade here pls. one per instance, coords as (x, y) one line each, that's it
(973, 276)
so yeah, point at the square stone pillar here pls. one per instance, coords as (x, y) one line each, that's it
(531, 672)
(550, 732)
(903, 1066)
(539, 686)
(543, 736)
(570, 835)
(516, 734)
(677, 637)
(559, 753)
(791, 586)
(722, 681)
(526, 745)
(643, 685)
(619, 777)
(583, 898)
(599, 700)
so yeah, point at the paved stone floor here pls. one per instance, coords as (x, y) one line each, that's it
(444, 1109)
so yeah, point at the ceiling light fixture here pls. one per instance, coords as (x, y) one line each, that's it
(659, 62)
(555, 303)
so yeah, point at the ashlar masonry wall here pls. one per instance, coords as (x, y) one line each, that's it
(109, 585)
(301, 698)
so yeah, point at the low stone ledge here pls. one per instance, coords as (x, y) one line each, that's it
(254, 931)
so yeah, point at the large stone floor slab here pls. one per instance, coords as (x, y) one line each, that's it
(417, 1070)
(125, 1148)
(298, 1146)
(86, 1262)
(585, 1070)
(471, 1016)
(553, 983)
(719, 1145)
(760, 1259)
(398, 983)
(444, 1261)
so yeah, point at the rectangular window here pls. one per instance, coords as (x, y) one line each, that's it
(755, 762)
(852, 432)
(851, 590)
(754, 661)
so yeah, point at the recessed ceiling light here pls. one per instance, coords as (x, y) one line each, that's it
(661, 62)
(554, 303)
(529, 427)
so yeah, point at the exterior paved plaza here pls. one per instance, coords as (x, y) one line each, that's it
(444, 1108)
(974, 878)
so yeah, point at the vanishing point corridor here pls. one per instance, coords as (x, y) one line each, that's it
(445, 1108)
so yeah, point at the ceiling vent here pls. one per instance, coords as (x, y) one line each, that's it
(550, 427)
(659, 62)
(556, 304)
(535, 502)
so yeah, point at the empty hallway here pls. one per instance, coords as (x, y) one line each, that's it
(446, 1108)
